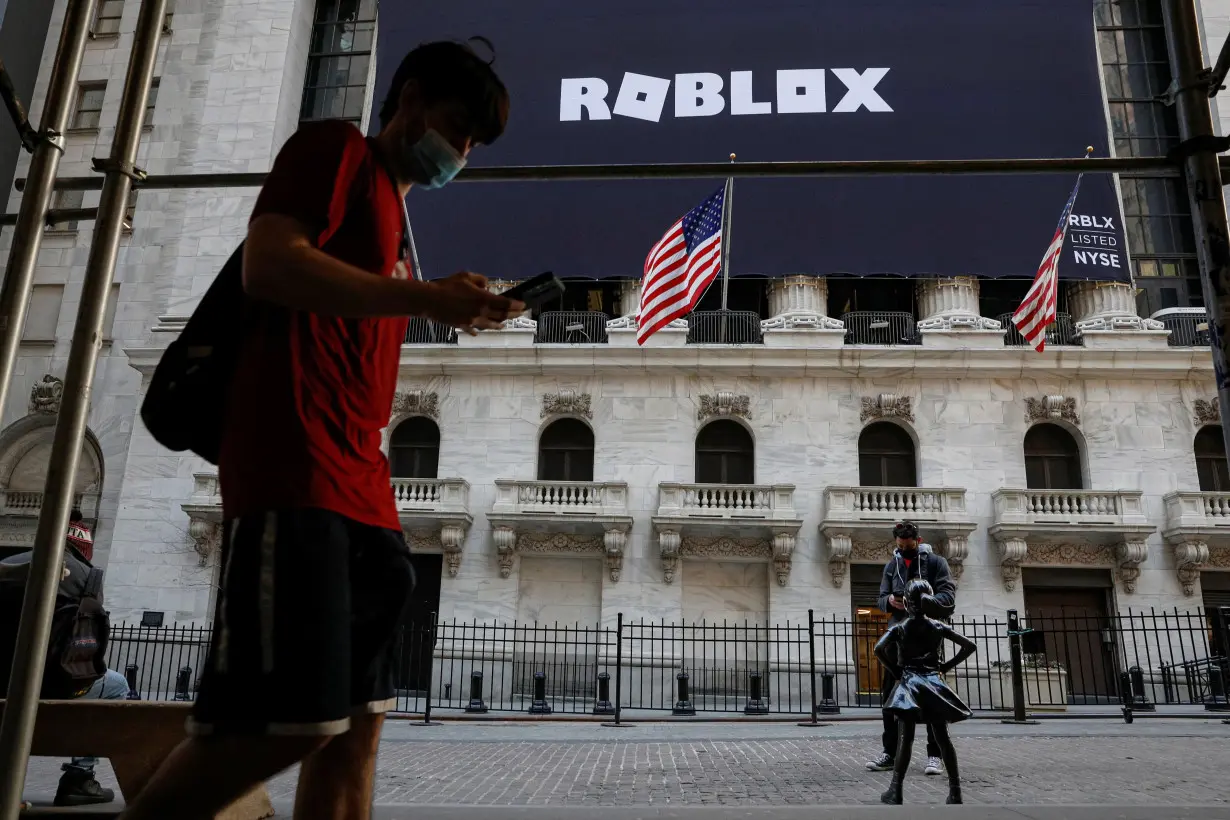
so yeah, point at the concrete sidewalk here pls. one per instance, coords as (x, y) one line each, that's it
(915, 812)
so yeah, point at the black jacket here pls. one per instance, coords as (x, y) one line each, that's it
(931, 568)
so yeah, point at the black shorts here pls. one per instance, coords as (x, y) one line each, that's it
(305, 626)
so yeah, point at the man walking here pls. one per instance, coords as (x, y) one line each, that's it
(316, 572)
(912, 559)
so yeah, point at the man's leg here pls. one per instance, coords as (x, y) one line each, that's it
(285, 607)
(204, 775)
(336, 781)
(78, 785)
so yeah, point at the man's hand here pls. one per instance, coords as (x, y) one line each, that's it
(463, 301)
(895, 602)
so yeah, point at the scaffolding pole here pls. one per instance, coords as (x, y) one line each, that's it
(30, 218)
(1201, 168)
(17, 728)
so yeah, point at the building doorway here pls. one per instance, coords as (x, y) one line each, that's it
(870, 622)
(1215, 591)
(418, 635)
(1069, 613)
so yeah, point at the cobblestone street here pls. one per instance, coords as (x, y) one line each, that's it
(1160, 763)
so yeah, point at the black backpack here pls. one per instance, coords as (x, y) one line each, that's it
(185, 404)
(77, 648)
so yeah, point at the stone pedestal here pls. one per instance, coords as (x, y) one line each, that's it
(1106, 306)
(621, 331)
(951, 304)
(799, 303)
(630, 297)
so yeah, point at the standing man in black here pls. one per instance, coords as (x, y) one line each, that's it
(912, 559)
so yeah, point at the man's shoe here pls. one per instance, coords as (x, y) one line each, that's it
(954, 795)
(883, 763)
(934, 766)
(78, 788)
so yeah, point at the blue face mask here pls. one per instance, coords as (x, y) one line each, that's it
(438, 159)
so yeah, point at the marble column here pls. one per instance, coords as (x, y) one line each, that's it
(951, 304)
(799, 302)
(1106, 306)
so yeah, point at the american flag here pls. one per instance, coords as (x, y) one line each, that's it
(1037, 312)
(681, 266)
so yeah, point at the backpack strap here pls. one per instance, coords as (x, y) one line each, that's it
(93, 584)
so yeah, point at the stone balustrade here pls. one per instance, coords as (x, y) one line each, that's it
(1198, 531)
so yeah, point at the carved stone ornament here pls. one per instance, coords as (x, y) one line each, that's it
(1071, 555)
(840, 548)
(1207, 411)
(668, 548)
(1012, 551)
(567, 403)
(724, 404)
(505, 541)
(871, 552)
(956, 550)
(420, 540)
(887, 406)
(559, 542)
(417, 403)
(1051, 408)
(1219, 558)
(452, 539)
(615, 540)
(206, 538)
(521, 323)
(725, 547)
(1129, 555)
(45, 396)
(629, 323)
(801, 320)
(783, 555)
(1189, 557)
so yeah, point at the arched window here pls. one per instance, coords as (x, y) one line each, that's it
(566, 452)
(725, 454)
(886, 457)
(1052, 459)
(414, 448)
(1211, 460)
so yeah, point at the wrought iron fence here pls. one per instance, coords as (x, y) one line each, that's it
(824, 665)
(881, 327)
(424, 331)
(1060, 334)
(724, 327)
(571, 327)
(1187, 329)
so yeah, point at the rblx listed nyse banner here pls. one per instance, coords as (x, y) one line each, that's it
(649, 81)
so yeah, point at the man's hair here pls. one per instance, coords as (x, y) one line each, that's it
(75, 516)
(448, 71)
(906, 529)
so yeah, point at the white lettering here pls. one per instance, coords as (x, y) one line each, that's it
(801, 91)
(862, 90)
(1106, 260)
(588, 93)
(741, 101)
(642, 97)
(698, 95)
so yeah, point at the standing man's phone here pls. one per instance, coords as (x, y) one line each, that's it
(536, 292)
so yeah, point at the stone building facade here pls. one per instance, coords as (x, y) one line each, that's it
(551, 473)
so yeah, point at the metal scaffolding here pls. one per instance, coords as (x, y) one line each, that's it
(1196, 158)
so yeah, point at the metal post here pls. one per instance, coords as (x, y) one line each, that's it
(1140, 700)
(1201, 169)
(17, 729)
(130, 674)
(1018, 672)
(811, 661)
(476, 705)
(727, 206)
(603, 705)
(683, 706)
(755, 697)
(1125, 695)
(28, 236)
(539, 705)
(183, 681)
(619, 664)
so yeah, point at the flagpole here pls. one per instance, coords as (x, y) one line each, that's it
(727, 204)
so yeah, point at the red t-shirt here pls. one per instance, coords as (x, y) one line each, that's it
(312, 393)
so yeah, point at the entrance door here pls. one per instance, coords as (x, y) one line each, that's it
(1075, 630)
(418, 639)
(869, 624)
